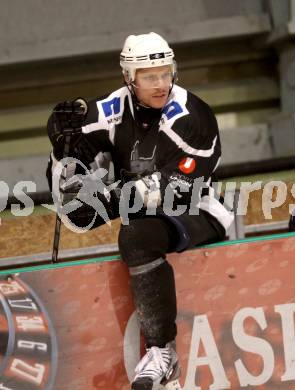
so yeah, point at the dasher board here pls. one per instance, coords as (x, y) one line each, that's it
(72, 326)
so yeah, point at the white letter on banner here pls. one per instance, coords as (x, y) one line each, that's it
(287, 314)
(202, 332)
(252, 344)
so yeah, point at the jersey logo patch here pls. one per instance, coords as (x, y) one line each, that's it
(172, 109)
(111, 107)
(187, 165)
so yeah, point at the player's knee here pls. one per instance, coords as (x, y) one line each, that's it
(143, 241)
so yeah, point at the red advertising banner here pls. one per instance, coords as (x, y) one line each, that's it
(74, 328)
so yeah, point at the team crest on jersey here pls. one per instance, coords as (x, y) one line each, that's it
(187, 165)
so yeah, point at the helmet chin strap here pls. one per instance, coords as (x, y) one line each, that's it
(130, 87)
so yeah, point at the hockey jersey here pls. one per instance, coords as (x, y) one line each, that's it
(182, 145)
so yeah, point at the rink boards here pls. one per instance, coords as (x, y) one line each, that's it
(72, 326)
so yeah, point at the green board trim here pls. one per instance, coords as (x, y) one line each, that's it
(62, 264)
(246, 240)
(105, 259)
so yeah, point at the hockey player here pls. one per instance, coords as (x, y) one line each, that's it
(162, 138)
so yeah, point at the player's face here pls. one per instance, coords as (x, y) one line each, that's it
(152, 85)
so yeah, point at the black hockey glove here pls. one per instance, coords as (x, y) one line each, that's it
(66, 119)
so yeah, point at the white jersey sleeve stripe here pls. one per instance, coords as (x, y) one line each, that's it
(97, 126)
(91, 127)
(188, 149)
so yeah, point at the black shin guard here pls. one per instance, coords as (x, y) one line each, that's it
(143, 246)
(155, 301)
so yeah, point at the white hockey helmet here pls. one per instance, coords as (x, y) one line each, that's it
(145, 51)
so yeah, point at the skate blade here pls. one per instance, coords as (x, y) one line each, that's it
(172, 385)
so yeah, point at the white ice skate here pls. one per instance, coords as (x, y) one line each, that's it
(158, 369)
